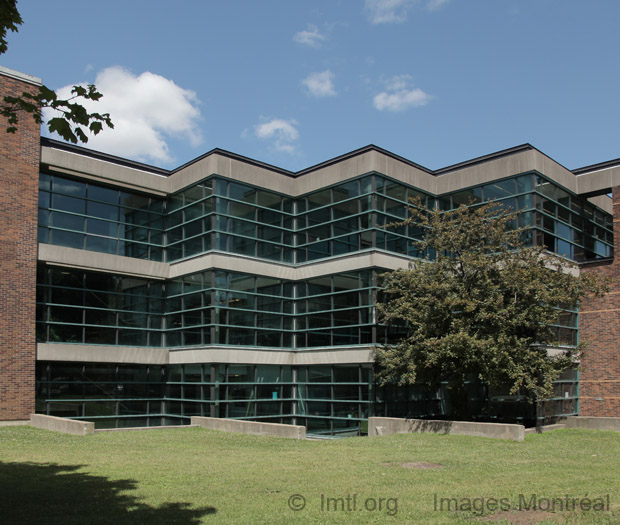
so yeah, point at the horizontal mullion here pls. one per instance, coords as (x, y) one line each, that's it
(112, 221)
(101, 309)
(115, 327)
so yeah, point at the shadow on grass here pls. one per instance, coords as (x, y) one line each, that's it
(436, 427)
(50, 493)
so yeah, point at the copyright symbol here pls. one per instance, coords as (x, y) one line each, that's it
(296, 502)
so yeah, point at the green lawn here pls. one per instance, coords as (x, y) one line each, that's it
(194, 475)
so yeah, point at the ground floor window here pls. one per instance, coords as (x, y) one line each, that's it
(330, 400)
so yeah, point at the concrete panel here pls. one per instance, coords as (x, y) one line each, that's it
(335, 173)
(133, 429)
(101, 354)
(342, 170)
(103, 171)
(239, 263)
(334, 356)
(506, 166)
(102, 262)
(261, 177)
(250, 427)
(598, 180)
(556, 171)
(544, 428)
(272, 356)
(193, 173)
(603, 202)
(487, 171)
(232, 262)
(231, 355)
(408, 174)
(244, 172)
(594, 181)
(594, 423)
(15, 423)
(351, 262)
(381, 426)
(62, 424)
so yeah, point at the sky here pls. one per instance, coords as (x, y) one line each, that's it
(294, 83)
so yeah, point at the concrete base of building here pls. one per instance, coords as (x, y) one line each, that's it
(594, 423)
(125, 429)
(382, 426)
(250, 427)
(62, 424)
(15, 423)
(544, 428)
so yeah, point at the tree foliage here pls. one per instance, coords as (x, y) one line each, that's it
(483, 308)
(72, 115)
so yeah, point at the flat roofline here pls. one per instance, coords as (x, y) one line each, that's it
(240, 158)
(81, 150)
(25, 77)
(597, 167)
(99, 155)
(486, 158)
(361, 151)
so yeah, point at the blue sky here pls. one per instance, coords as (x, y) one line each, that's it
(296, 83)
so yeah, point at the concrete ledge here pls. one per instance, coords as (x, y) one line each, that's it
(594, 423)
(14, 423)
(250, 427)
(383, 426)
(62, 424)
(544, 428)
(130, 429)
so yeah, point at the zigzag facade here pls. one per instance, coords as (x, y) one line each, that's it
(232, 288)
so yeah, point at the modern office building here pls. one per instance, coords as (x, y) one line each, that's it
(133, 295)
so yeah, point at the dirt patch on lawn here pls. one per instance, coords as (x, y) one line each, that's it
(526, 517)
(415, 465)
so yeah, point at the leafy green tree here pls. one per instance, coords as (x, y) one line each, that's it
(73, 116)
(482, 308)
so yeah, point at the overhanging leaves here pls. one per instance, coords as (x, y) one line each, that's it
(73, 116)
(483, 307)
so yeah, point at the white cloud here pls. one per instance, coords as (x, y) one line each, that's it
(395, 11)
(398, 96)
(433, 5)
(282, 132)
(311, 36)
(388, 11)
(320, 84)
(146, 110)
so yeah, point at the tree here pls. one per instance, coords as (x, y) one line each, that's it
(482, 308)
(73, 115)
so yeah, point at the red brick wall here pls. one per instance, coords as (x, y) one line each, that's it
(599, 327)
(19, 169)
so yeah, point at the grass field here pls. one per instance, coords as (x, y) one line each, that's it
(194, 475)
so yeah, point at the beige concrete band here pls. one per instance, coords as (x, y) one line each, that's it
(163, 356)
(340, 171)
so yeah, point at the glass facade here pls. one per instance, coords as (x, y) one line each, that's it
(327, 399)
(75, 306)
(487, 404)
(206, 308)
(90, 216)
(564, 223)
(228, 308)
(217, 308)
(226, 216)
(111, 395)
